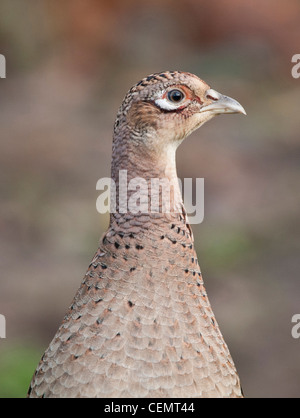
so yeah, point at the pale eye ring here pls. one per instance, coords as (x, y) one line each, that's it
(175, 96)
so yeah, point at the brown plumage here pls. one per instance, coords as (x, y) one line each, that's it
(140, 324)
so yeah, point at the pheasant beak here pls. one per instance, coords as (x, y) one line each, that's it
(221, 104)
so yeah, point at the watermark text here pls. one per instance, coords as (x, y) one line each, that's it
(155, 195)
(296, 67)
(2, 326)
(2, 66)
(296, 328)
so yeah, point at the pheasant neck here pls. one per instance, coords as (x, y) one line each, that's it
(146, 184)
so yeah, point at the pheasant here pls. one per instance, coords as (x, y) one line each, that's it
(141, 324)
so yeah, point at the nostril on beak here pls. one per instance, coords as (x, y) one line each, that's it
(213, 95)
(211, 98)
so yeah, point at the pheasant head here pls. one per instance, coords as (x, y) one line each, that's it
(164, 108)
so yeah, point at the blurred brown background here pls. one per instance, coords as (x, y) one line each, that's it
(69, 64)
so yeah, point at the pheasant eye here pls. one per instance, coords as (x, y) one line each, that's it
(175, 96)
(171, 100)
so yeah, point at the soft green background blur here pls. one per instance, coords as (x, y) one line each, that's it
(69, 64)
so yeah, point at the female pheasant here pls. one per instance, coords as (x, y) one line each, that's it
(141, 324)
